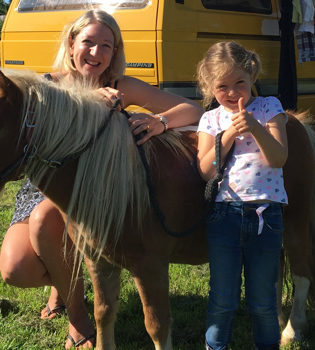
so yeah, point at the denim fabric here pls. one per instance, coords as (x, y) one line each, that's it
(233, 243)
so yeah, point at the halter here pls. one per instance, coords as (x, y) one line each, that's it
(54, 164)
(211, 187)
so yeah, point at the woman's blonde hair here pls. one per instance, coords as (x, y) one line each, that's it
(220, 60)
(117, 65)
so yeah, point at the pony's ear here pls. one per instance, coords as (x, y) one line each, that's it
(8, 90)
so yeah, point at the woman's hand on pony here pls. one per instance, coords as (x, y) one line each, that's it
(150, 123)
(110, 95)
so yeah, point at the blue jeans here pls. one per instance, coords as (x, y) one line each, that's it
(233, 242)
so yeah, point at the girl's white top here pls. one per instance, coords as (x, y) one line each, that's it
(248, 176)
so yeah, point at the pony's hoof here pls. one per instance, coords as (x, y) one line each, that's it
(290, 335)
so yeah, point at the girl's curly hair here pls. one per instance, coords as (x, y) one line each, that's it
(220, 60)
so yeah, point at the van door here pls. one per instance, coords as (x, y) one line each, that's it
(186, 37)
(187, 28)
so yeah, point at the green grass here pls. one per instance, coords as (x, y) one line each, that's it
(20, 328)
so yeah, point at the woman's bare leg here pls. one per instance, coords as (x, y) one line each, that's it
(55, 304)
(19, 264)
(41, 251)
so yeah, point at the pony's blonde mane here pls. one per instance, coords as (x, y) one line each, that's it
(110, 178)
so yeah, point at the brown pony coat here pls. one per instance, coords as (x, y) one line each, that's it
(143, 247)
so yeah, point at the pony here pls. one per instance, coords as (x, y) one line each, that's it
(98, 182)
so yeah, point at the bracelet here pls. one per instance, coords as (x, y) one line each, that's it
(164, 121)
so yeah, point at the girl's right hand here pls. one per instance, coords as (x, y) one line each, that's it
(243, 121)
(110, 95)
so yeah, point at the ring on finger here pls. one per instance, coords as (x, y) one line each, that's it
(148, 127)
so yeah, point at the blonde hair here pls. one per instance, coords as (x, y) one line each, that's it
(110, 179)
(220, 60)
(63, 59)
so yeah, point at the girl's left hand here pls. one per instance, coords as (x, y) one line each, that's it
(243, 121)
(150, 123)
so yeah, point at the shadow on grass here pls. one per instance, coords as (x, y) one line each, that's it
(6, 307)
(188, 325)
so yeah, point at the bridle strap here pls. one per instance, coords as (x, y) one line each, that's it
(72, 157)
(5, 173)
(26, 155)
(152, 192)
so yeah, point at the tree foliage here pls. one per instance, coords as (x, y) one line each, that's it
(4, 5)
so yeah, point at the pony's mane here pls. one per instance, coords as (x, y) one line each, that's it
(110, 178)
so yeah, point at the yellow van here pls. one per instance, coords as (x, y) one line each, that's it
(164, 39)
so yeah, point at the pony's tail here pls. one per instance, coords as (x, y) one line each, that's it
(311, 295)
(311, 292)
(305, 117)
(308, 120)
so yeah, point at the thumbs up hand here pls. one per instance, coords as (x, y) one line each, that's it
(241, 104)
(243, 121)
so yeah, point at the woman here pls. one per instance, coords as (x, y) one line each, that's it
(32, 252)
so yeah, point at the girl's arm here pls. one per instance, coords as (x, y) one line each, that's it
(272, 139)
(206, 151)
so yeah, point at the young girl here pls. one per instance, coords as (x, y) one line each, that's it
(245, 226)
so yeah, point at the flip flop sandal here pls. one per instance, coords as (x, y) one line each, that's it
(58, 310)
(81, 341)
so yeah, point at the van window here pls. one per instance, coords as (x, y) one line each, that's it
(53, 5)
(254, 6)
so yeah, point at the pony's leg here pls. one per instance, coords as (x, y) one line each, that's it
(297, 323)
(151, 278)
(297, 220)
(279, 287)
(297, 245)
(106, 284)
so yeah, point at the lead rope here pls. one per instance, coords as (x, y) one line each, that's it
(210, 191)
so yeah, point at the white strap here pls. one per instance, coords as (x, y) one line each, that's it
(259, 212)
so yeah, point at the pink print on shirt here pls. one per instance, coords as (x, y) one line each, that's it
(248, 176)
